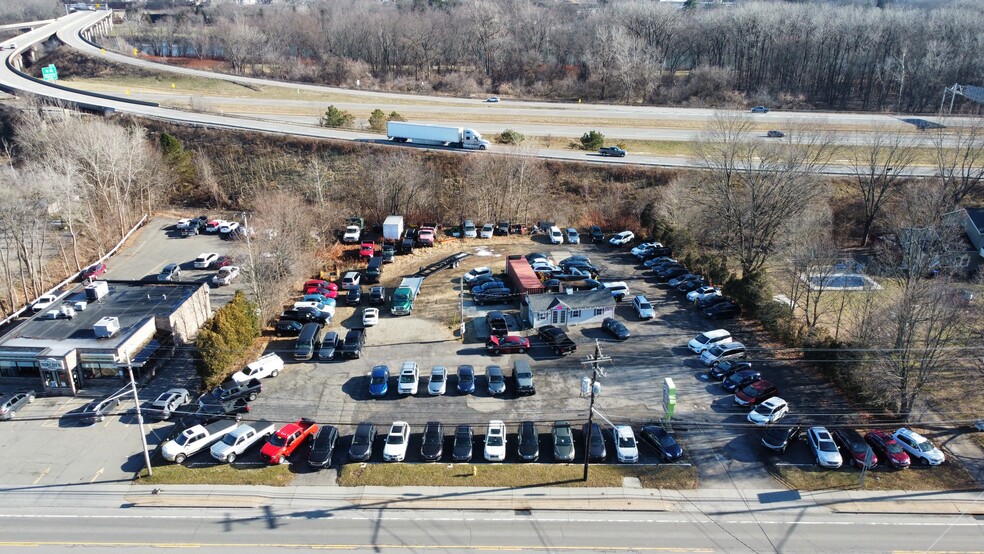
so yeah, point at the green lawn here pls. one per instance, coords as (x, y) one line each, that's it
(222, 474)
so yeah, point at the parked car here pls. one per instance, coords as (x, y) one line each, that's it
(475, 273)
(703, 292)
(487, 285)
(437, 384)
(596, 445)
(626, 449)
(16, 402)
(166, 405)
(779, 437)
(352, 234)
(94, 271)
(433, 444)
(397, 441)
(495, 379)
(239, 440)
(824, 448)
(377, 295)
(723, 310)
(287, 440)
(557, 339)
(523, 376)
(571, 235)
(597, 235)
(663, 276)
(287, 328)
(171, 272)
(222, 261)
(352, 345)
(507, 344)
(370, 317)
(563, 441)
(727, 368)
(487, 231)
(97, 410)
(494, 296)
(367, 249)
(528, 442)
(502, 229)
(740, 379)
(888, 449)
(466, 379)
(194, 439)
(497, 324)
(615, 328)
(409, 378)
(495, 441)
(713, 300)
(323, 447)
(708, 339)
(43, 302)
(687, 286)
(621, 239)
(860, 452)
(469, 230)
(662, 441)
(461, 451)
(770, 411)
(722, 351)
(379, 381)
(757, 392)
(389, 253)
(329, 346)
(361, 447)
(351, 280)
(205, 259)
(918, 447)
(643, 308)
(619, 289)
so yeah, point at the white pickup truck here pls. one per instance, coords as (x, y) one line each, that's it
(195, 439)
(269, 365)
(240, 439)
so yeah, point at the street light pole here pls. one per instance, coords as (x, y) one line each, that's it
(595, 362)
(136, 401)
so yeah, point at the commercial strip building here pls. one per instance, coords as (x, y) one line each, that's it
(94, 331)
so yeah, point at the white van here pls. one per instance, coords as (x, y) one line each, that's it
(722, 351)
(707, 339)
(556, 237)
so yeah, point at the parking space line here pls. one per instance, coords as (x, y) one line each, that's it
(53, 421)
(43, 473)
(97, 475)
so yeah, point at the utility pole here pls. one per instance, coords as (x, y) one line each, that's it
(136, 401)
(595, 363)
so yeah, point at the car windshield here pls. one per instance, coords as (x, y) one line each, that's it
(495, 441)
(230, 439)
(645, 306)
(925, 446)
(827, 446)
(278, 440)
(378, 380)
(465, 378)
(893, 447)
(183, 439)
(495, 378)
(524, 375)
(406, 378)
(750, 390)
(360, 440)
(437, 377)
(715, 351)
(394, 439)
(626, 442)
(763, 409)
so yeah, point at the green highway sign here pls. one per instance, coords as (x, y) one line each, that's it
(50, 73)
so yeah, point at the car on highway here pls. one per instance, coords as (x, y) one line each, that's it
(323, 447)
(168, 403)
(205, 259)
(621, 239)
(918, 447)
(768, 412)
(409, 378)
(225, 276)
(661, 441)
(778, 437)
(740, 379)
(642, 307)
(361, 448)
(170, 272)
(887, 449)
(775, 134)
(755, 393)
(94, 271)
(397, 440)
(626, 449)
(9, 406)
(433, 444)
(615, 328)
(437, 384)
(495, 441)
(466, 379)
(760, 109)
(475, 273)
(370, 317)
(528, 442)
(853, 444)
(612, 151)
(492, 99)
(563, 441)
(507, 344)
(824, 448)
(461, 450)
(495, 379)
(379, 381)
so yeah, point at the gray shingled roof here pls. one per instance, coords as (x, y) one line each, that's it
(575, 301)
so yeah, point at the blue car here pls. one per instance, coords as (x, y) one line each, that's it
(315, 297)
(466, 379)
(379, 381)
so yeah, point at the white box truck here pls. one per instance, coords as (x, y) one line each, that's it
(393, 228)
(417, 133)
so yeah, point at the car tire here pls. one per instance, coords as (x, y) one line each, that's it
(924, 461)
(180, 458)
(252, 396)
(231, 458)
(522, 350)
(30, 398)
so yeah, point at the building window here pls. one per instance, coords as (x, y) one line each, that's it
(599, 311)
(96, 370)
(575, 314)
(12, 368)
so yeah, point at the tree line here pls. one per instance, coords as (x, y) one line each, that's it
(784, 54)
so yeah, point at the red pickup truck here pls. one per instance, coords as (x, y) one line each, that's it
(287, 439)
(368, 249)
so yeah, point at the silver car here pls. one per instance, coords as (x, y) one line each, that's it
(11, 404)
(496, 379)
(824, 447)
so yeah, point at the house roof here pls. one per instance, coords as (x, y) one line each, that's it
(573, 301)
(976, 216)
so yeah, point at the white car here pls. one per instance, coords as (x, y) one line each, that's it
(43, 302)
(438, 382)
(626, 448)
(370, 317)
(722, 351)
(487, 230)
(703, 292)
(409, 375)
(492, 99)
(619, 289)
(770, 411)
(269, 365)
(352, 234)
(182, 223)
(396, 442)
(546, 267)
(351, 280)
(215, 225)
(824, 448)
(556, 237)
(229, 227)
(917, 446)
(641, 250)
(205, 259)
(621, 239)
(240, 439)
(225, 275)
(468, 229)
(495, 441)
(476, 273)
(643, 308)
(169, 402)
(707, 339)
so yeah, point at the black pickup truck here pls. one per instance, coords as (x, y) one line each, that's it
(557, 339)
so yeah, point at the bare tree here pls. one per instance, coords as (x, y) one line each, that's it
(959, 157)
(879, 163)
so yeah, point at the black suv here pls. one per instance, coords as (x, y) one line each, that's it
(365, 435)
(354, 296)
(433, 446)
(352, 345)
(529, 442)
(597, 235)
(502, 228)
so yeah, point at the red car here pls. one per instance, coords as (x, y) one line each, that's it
(368, 249)
(287, 439)
(222, 261)
(756, 393)
(508, 344)
(93, 271)
(885, 446)
(312, 285)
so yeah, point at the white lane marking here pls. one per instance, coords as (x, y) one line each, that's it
(40, 477)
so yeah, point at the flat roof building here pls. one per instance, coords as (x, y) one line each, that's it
(93, 331)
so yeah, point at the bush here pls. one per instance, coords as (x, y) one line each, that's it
(335, 117)
(751, 291)
(592, 140)
(377, 120)
(225, 338)
(510, 137)
(395, 116)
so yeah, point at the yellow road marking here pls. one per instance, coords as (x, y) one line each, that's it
(43, 473)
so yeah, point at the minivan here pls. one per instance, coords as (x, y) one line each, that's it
(375, 269)
(556, 237)
(707, 339)
(722, 351)
(308, 341)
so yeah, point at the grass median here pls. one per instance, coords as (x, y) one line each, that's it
(949, 476)
(514, 475)
(222, 474)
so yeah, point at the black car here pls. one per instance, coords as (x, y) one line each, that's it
(688, 286)
(377, 295)
(361, 448)
(433, 446)
(723, 369)
(496, 321)
(579, 264)
(463, 441)
(406, 247)
(352, 345)
(662, 441)
(287, 328)
(97, 410)
(552, 285)
(305, 314)
(194, 227)
(723, 310)
(778, 436)
(497, 296)
(596, 446)
(665, 275)
(665, 266)
(529, 442)
(483, 279)
(329, 346)
(389, 253)
(214, 410)
(323, 447)
(487, 285)
(354, 296)
(466, 379)
(740, 379)
(615, 328)
(502, 228)
(597, 235)
(709, 301)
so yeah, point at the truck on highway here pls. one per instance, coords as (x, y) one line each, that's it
(405, 295)
(457, 137)
(393, 228)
